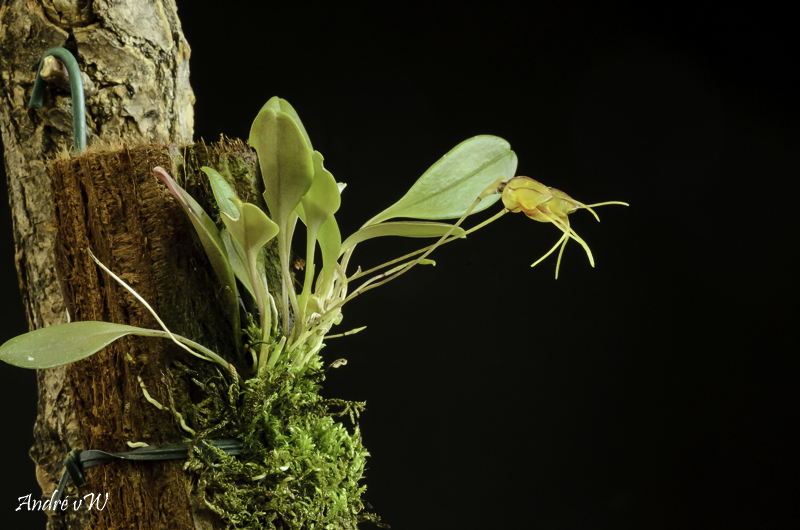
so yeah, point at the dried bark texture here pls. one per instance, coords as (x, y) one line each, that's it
(130, 227)
(135, 54)
(112, 203)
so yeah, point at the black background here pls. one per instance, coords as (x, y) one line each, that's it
(658, 390)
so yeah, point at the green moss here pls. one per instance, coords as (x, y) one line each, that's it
(301, 468)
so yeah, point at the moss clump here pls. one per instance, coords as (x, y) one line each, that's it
(300, 469)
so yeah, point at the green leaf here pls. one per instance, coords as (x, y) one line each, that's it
(223, 192)
(63, 344)
(226, 200)
(318, 205)
(281, 105)
(212, 244)
(452, 184)
(322, 200)
(398, 228)
(251, 230)
(285, 160)
(330, 239)
(238, 261)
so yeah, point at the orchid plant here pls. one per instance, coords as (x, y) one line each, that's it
(468, 179)
(294, 465)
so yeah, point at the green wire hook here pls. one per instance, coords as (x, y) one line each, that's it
(76, 88)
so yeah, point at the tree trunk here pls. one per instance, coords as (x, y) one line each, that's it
(136, 61)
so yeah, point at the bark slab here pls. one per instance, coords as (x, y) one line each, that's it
(135, 55)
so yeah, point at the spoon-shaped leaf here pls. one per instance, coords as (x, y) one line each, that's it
(281, 105)
(451, 185)
(251, 230)
(285, 160)
(287, 169)
(404, 229)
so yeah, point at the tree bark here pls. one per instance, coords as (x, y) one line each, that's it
(135, 55)
(111, 202)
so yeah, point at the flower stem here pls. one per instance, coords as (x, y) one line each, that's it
(411, 255)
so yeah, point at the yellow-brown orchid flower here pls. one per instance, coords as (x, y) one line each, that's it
(547, 205)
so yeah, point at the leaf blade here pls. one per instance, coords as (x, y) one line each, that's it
(322, 199)
(448, 188)
(330, 241)
(281, 105)
(285, 161)
(62, 344)
(238, 261)
(223, 192)
(251, 230)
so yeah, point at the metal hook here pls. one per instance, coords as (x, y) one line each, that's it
(76, 89)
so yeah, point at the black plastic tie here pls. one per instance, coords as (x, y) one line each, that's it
(77, 461)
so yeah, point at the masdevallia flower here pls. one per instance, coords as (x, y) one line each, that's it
(547, 205)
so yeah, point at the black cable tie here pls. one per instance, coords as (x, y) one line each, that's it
(78, 460)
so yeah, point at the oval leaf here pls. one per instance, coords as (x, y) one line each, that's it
(62, 344)
(281, 105)
(285, 160)
(404, 229)
(453, 183)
